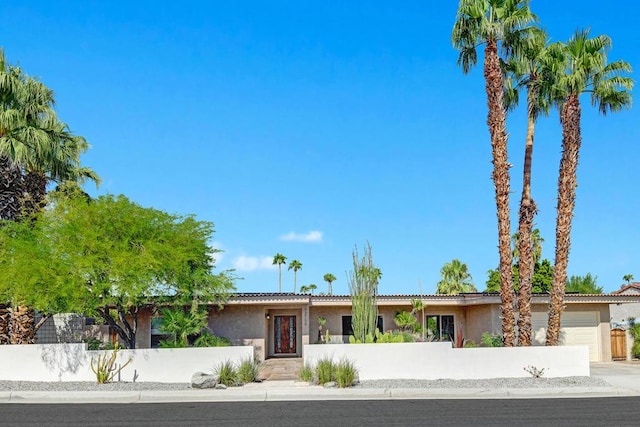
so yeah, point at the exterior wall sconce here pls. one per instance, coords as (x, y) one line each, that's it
(267, 316)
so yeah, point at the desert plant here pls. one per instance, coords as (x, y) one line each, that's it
(325, 370)
(491, 340)
(405, 321)
(345, 373)
(306, 373)
(363, 284)
(634, 330)
(171, 343)
(469, 344)
(368, 339)
(208, 339)
(227, 373)
(321, 322)
(105, 367)
(249, 370)
(534, 371)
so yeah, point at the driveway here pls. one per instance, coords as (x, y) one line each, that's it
(624, 375)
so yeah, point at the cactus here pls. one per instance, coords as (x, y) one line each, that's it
(106, 368)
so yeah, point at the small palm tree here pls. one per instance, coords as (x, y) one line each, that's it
(295, 265)
(279, 259)
(306, 289)
(329, 278)
(627, 278)
(455, 279)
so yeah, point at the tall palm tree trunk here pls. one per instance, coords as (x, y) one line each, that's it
(5, 318)
(527, 212)
(567, 183)
(496, 121)
(280, 278)
(11, 189)
(35, 191)
(22, 326)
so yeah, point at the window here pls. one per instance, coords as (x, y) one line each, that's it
(347, 327)
(157, 334)
(440, 328)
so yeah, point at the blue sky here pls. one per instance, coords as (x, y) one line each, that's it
(307, 128)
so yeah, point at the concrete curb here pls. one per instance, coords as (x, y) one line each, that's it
(301, 394)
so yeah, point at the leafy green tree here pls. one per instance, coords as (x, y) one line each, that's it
(329, 278)
(583, 67)
(295, 265)
(405, 321)
(494, 23)
(541, 283)
(112, 258)
(455, 279)
(583, 285)
(279, 259)
(627, 278)
(363, 284)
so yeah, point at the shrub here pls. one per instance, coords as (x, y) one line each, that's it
(345, 373)
(227, 373)
(306, 373)
(470, 344)
(249, 370)
(491, 340)
(207, 339)
(171, 343)
(325, 371)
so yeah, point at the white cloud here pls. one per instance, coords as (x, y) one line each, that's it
(310, 237)
(252, 263)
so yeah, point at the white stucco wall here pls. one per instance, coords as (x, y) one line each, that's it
(433, 361)
(71, 362)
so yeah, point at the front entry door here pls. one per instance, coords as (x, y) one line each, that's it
(285, 334)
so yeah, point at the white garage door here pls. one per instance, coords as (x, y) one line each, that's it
(576, 328)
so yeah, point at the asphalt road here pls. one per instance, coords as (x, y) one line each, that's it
(619, 411)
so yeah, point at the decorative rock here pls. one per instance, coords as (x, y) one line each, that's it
(331, 384)
(221, 387)
(203, 380)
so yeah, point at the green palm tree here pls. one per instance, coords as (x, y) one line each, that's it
(329, 278)
(525, 69)
(494, 24)
(35, 148)
(582, 67)
(306, 289)
(295, 265)
(627, 278)
(455, 279)
(279, 259)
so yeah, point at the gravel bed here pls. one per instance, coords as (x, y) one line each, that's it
(498, 383)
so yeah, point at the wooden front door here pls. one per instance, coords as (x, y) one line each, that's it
(618, 344)
(284, 329)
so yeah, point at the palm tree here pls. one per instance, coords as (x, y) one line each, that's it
(279, 259)
(295, 265)
(627, 278)
(329, 278)
(35, 148)
(305, 289)
(526, 68)
(455, 279)
(582, 67)
(494, 23)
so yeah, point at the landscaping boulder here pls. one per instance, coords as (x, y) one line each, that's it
(203, 380)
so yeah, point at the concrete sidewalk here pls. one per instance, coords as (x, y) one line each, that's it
(624, 379)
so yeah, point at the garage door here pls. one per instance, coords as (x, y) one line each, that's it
(576, 328)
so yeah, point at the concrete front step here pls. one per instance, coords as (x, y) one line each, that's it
(281, 369)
